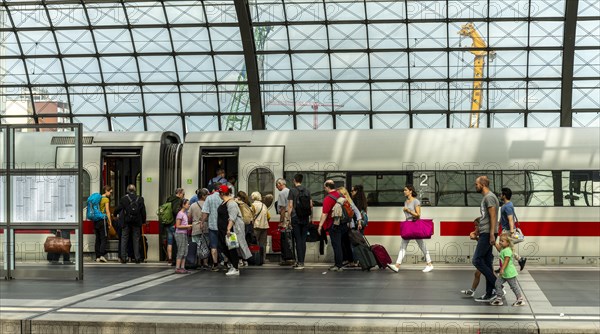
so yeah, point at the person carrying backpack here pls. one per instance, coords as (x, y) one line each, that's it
(299, 208)
(168, 219)
(132, 213)
(100, 225)
(326, 224)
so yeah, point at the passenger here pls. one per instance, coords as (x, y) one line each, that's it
(100, 226)
(360, 200)
(261, 222)
(348, 255)
(483, 257)
(248, 233)
(182, 227)
(282, 203)
(131, 222)
(210, 214)
(326, 224)
(508, 272)
(299, 222)
(195, 198)
(175, 200)
(412, 211)
(220, 177)
(53, 258)
(229, 220)
(477, 276)
(200, 229)
(508, 219)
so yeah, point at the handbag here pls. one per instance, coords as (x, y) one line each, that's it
(417, 229)
(57, 245)
(232, 241)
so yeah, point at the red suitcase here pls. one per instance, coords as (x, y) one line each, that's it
(381, 256)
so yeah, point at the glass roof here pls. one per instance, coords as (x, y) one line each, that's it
(309, 64)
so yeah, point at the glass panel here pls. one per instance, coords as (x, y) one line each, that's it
(106, 14)
(427, 35)
(423, 10)
(119, 69)
(382, 189)
(588, 8)
(389, 65)
(165, 123)
(543, 120)
(261, 180)
(580, 188)
(30, 194)
(586, 63)
(161, 99)
(201, 123)
(428, 65)
(450, 187)
(17, 105)
(461, 94)
(351, 97)
(314, 122)
(541, 188)
(185, 12)
(311, 66)
(507, 95)
(277, 97)
(585, 94)
(347, 36)
(234, 98)
(467, 9)
(507, 120)
(87, 100)
(37, 43)
(226, 38)
(230, 67)
(547, 8)
(305, 10)
(508, 8)
(546, 33)
(157, 69)
(429, 121)
(28, 16)
(424, 183)
(429, 96)
(388, 10)
(272, 38)
(199, 98)
(462, 65)
(308, 37)
(390, 96)
(457, 40)
(279, 122)
(313, 98)
(194, 39)
(82, 70)
(195, 68)
(220, 11)
(387, 35)
(31, 253)
(508, 34)
(72, 15)
(588, 33)
(113, 40)
(517, 182)
(13, 72)
(124, 99)
(347, 122)
(75, 42)
(45, 71)
(586, 120)
(10, 47)
(145, 13)
(350, 66)
(276, 67)
(509, 64)
(151, 40)
(50, 101)
(544, 95)
(545, 64)
(345, 11)
(391, 121)
(92, 124)
(127, 123)
(267, 11)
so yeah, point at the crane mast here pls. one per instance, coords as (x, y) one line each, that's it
(468, 30)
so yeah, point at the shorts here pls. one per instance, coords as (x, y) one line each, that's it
(170, 232)
(182, 245)
(213, 238)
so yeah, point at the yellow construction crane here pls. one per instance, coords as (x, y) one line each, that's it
(468, 30)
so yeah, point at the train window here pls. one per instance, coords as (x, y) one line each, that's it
(86, 185)
(424, 183)
(540, 190)
(382, 189)
(517, 182)
(581, 188)
(261, 180)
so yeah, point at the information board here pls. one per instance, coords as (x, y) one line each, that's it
(44, 199)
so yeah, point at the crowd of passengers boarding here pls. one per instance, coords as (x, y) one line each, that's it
(215, 230)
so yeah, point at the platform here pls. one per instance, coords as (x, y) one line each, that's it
(150, 298)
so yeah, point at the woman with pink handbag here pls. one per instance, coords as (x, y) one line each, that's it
(412, 211)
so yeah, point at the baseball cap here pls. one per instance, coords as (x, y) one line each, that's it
(223, 189)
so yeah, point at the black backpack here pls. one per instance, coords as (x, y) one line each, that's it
(132, 211)
(303, 209)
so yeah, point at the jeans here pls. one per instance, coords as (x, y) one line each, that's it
(483, 261)
(136, 233)
(101, 231)
(300, 230)
(335, 234)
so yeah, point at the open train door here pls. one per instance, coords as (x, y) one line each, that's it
(259, 167)
(169, 177)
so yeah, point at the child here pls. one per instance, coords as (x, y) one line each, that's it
(473, 236)
(508, 272)
(181, 231)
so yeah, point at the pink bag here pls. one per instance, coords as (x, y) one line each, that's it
(418, 229)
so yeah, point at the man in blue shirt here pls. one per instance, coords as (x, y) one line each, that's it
(508, 219)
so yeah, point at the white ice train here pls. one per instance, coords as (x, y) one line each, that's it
(554, 175)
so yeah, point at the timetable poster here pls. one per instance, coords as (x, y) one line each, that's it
(44, 199)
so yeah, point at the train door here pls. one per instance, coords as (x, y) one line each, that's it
(121, 167)
(214, 159)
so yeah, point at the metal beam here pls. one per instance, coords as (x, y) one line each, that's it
(566, 110)
(246, 32)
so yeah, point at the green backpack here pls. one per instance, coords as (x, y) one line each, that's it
(165, 213)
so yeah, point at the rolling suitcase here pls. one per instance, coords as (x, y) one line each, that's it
(365, 257)
(191, 259)
(257, 255)
(287, 245)
(381, 255)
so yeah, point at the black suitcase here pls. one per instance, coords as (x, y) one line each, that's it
(191, 259)
(257, 255)
(365, 257)
(287, 245)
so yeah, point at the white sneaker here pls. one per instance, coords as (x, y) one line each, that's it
(428, 269)
(393, 267)
(97, 259)
(102, 259)
(233, 272)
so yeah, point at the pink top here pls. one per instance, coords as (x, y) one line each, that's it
(184, 222)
